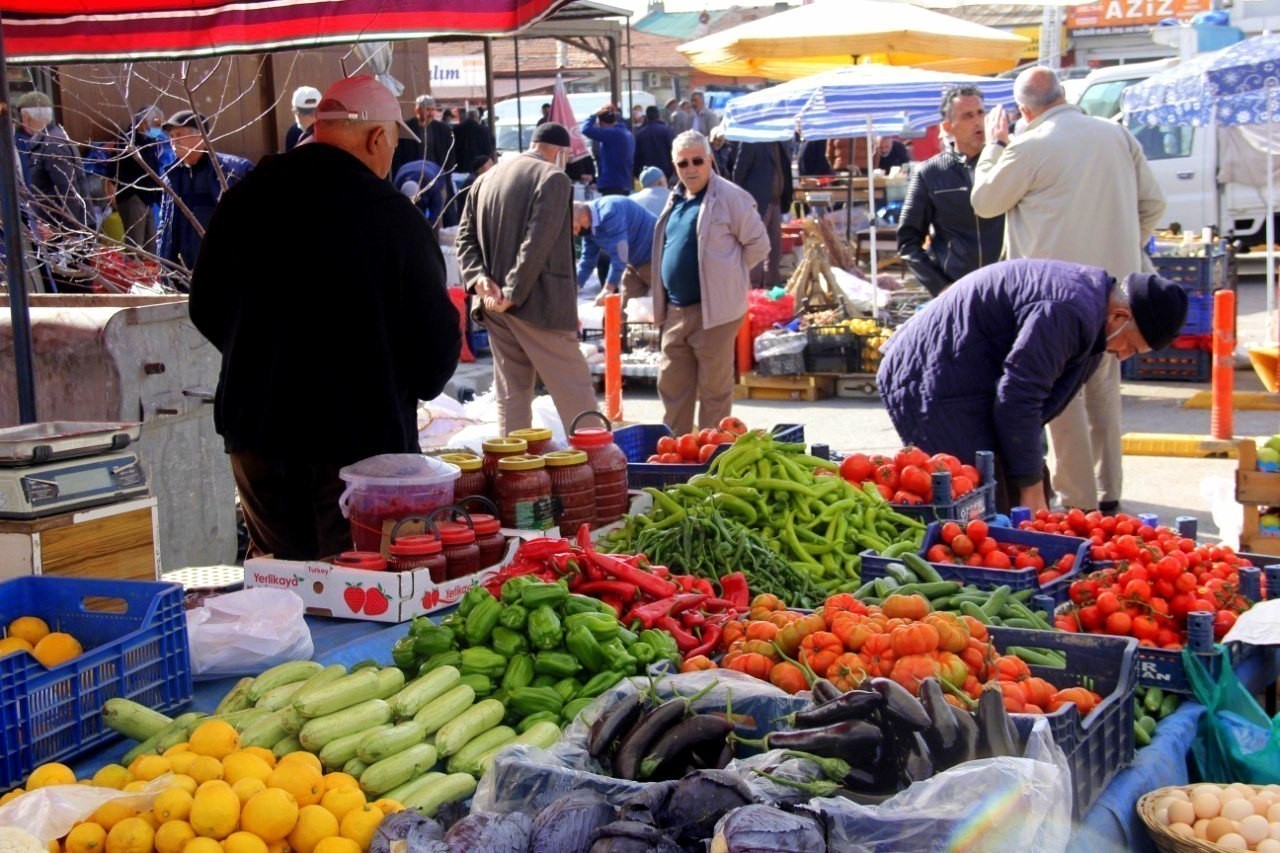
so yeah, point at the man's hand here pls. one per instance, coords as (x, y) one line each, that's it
(490, 295)
(997, 126)
(605, 291)
(1032, 497)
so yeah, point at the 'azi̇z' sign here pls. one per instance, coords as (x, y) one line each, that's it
(1118, 16)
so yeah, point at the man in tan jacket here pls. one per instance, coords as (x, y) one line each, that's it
(515, 253)
(1073, 188)
(705, 244)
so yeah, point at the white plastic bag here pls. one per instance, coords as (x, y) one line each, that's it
(49, 813)
(639, 310)
(245, 632)
(775, 342)
(1219, 494)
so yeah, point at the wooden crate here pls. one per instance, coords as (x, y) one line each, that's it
(857, 386)
(119, 541)
(1251, 539)
(1254, 486)
(808, 387)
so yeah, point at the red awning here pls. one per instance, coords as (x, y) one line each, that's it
(59, 31)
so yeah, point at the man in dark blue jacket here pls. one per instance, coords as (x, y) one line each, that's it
(653, 145)
(623, 230)
(764, 170)
(617, 151)
(1002, 351)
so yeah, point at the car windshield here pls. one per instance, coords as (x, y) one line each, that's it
(1104, 99)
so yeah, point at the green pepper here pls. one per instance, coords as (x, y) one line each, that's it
(453, 658)
(567, 687)
(558, 664)
(617, 657)
(533, 719)
(628, 638)
(419, 625)
(481, 684)
(663, 644)
(511, 589)
(474, 596)
(481, 621)
(573, 709)
(538, 594)
(585, 647)
(600, 682)
(519, 673)
(544, 628)
(457, 624)
(506, 642)
(514, 616)
(432, 640)
(576, 604)
(543, 681)
(402, 652)
(601, 627)
(483, 661)
(643, 653)
(531, 700)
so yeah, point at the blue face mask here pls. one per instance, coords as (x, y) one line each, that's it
(155, 133)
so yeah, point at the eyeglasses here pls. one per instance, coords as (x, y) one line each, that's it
(696, 161)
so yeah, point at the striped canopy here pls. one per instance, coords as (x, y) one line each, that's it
(59, 31)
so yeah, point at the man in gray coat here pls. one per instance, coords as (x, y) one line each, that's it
(515, 254)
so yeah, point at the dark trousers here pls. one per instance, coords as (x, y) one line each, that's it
(290, 506)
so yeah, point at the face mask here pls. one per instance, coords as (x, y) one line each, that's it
(1123, 326)
(562, 159)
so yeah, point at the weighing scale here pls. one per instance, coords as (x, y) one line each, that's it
(58, 466)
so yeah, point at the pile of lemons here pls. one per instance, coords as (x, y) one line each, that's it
(32, 634)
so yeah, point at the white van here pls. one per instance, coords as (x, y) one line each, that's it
(507, 122)
(1182, 158)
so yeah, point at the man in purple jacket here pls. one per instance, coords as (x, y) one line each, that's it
(1000, 353)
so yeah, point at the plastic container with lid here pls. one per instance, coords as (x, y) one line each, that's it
(524, 493)
(573, 489)
(461, 552)
(609, 464)
(494, 450)
(539, 439)
(493, 545)
(382, 490)
(472, 481)
(369, 560)
(417, 551)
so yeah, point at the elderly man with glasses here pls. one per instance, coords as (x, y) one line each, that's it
(705, 244)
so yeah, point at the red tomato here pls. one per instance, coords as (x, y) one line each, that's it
(949, 531)
(1046, 577)
(688, 447)
(961, 486)
(977, 530)
(885, 491)
(974, 560)
(654, 458)
(671, 458)
(902, 496)
(987, 546)
(962, 545)
(971, 474)
(1145, 628)
(910, 455)
(1108, 603)
(997, 560)
(856, 468)
(1119, 624)
(706, 452)
(733, 425)
(667, 444)
(946, 462)
(887, 475)
(916, 480)
(939, 554)
(706, 436)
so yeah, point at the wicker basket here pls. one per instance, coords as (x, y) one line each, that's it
(1167, 841)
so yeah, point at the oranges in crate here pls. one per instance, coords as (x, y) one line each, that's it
(31, 634)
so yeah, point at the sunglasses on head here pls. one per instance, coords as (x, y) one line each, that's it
(696, 161)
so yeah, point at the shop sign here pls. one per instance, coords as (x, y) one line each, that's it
(1129, 16)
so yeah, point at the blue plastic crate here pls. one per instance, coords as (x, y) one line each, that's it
(1199, 313)
(980, 503)
(1050, 545)
(1167, 365)
(1098, 746)
(135, 648)
(478, 341)
(640, 441)
(1193, 273)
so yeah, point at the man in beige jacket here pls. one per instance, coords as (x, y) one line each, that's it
(1073, 188)
(704, 246)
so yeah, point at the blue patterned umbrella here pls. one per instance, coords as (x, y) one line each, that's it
(1229, 86)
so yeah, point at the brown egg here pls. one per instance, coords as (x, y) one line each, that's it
(1200, 826)
(1206, 804)
(1273, 813)
(1218, 827)
(1183, 829)
(1180, 812)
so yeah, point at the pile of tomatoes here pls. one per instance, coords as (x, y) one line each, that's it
(697, 448)
(972, 545)
(907, 476)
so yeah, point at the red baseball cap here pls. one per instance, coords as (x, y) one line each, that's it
(361, 98)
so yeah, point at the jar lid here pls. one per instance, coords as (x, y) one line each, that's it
(452, 533)
(531, 434)
(563, 458)
(371, 560)
(417, 545)
(521, 463)
(506, 445)
(398, 469)
(485, 524)
(591, 437)
(465, 461)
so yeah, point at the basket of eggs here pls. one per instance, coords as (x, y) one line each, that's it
(1209, 817)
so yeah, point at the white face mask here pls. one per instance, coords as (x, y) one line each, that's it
(1123, 326)
(562, 159)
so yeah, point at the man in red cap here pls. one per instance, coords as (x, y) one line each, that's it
(324, 289)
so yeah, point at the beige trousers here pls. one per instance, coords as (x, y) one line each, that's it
(696, 369)
(523, 352)
(1085, 438)
(636, 282)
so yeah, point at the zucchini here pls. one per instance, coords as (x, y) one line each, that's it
(344, 692)
(237, 698)
(355, 767)
(286, 745)
(179, 731)
(239, 720)
(390, 681)
(319, 731)
(476, 720)
(397, 769)
(291, 719)
(280, 675)
(265, 732)
(389, 742)
(402, 792)
(330, 673)
(152, 744)
(438, 712)
(277, 698)
(467, 759)
(133, 720)
(542, 734)
(419, 692)
(339, 751)
(449, 789)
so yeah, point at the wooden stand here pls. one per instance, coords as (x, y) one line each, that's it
(119, 541)
(808, 387)
(1256, 490)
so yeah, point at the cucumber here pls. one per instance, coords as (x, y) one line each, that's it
(390, 681)
(449, 789)
(444, 709)
(397, 769)
(467, 759)
(408, 789)
(280, 675)
(291, 719)
(339, 751)
(237, 698)
(179, 731)
(923, 570)
(900, 573)
(476, 720)
(319, 731)
(419, 692)
(342, 693)
(286, 745)
(355, 767)
(385, 744)
(265, 732)
(133, 720)
(277, 698)
(542, 734)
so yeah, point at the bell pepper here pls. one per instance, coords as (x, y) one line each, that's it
(519, 673)
(453, 658)
(511, 589)
(507, 643)
(617, 657)
(456, 623)
(600, 682)
(643, 653)
(539, 594)
(544, 628)
(602, 627)
(585, 647)
(572, 709)
(432, 640)
(481, 684)
(474, 596)
(402, 654)
(543, 681)
(567, 688)
(575, 604)
(482, 620)
(483, 661)
(531, 700)
(662, 643)
(419, 625)
(628, 638)
(514, 617)
(558, 664)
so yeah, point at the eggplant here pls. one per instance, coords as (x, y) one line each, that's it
(852, 740)
(823, 691)
(567, 825)
(993, 726)
(759, 828)
(685, 736)
(611, 724)
(725, 756)
(492, 833)
(650, 804)
(629, 836)
(943, 735)
(967, 745)
(900, 706)
(644, 734)
(917, 763)
(701, 799)
(854, 705)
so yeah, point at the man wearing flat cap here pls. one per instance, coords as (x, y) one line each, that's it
(515, 253)
(1004, 350)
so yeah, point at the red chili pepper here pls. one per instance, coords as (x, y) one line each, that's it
(685, 582)
(612, 602)
(660, 571)
(684, 640)
(717, 604)
(692, 618)
(688, 601)
(710, 637)
(618, 589)
(704, 585)
(651, 612)
(542, 549)
(733, 588)
(650, 585)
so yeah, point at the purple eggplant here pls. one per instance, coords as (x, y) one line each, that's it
(943, 735)
(613, 723)
(993, 726)
(854, 705)
(824, 691)
(852, 740)
(682, 738)
(900, 707)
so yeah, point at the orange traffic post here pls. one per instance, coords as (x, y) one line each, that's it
(1222, 413)
(459, 297)
(745, 354)
(613, 357)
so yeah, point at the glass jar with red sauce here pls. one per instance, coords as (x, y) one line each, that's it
(493, 545)
(472, 481)
(459, 541)
(420, 551)
(524, 493)
(496, 449)
(573, 490)
(369, 560)
(609, 465)
(539, 440)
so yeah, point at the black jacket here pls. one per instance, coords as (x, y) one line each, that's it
(937, 206)
(324, 289)
(653, 148)
(754, 171)
(471, 139)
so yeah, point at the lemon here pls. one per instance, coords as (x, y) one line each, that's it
(56, 649)
(340, 780)
(387, 806)
(339, 801)
(244, 765)
(12, 795)
(215, 738)
(302, 780)
(272, 814)
(50, 774)
(262, 752)
(173, 804)
(215, 810)
(315, 824)
(182, 760)
(304, 757)
(86, 838)
(32, 629)
(202, 845)
(337, 845)
(131, 835)
(112, 776)
(152, 767)
(244, 842)
(185, 782)
(246, 788)
(281, 846)
(360, 824)
(109, 814)
(136, 785)
(205, 768)
(172, 837)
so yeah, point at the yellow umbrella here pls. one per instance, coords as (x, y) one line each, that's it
(835, 33)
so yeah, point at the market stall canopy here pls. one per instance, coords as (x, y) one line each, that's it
(60, 31)
(1232, 84)
(838, 103)
(836, 33)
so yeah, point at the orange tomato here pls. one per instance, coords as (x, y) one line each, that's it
(847, 672)
(977, 630)
(762, 631)
(906, 607)
(697, 664)
(910, 670)
(734, 630)
(1085, 700)
(768, 601)
(762, 647)
(953, 633)
(1010, 668)
(788, 677)
(755, 665)
(918, 638)
(877, 654)
(839, 604)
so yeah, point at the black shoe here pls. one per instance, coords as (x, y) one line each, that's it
(1109, 507)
